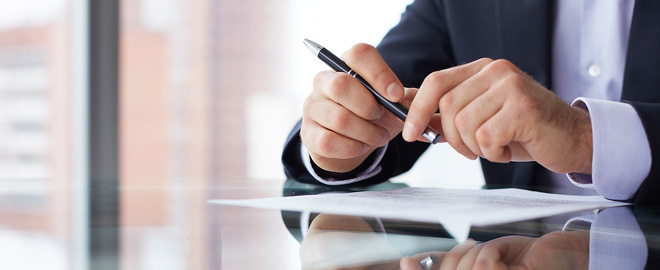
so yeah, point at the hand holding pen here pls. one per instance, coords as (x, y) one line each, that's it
(395, 108)
(343, 122)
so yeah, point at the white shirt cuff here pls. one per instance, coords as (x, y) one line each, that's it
(371, 171)
(621, 151)
(616, 241)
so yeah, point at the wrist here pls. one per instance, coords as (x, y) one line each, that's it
(584, 144)
(342, 175)
(335, 165)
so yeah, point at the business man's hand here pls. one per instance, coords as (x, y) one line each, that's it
(555, 250)
(494, 110)
(342, 122)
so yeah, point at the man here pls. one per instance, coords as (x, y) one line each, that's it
(500, 110)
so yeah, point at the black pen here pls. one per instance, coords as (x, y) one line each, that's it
(395, 108)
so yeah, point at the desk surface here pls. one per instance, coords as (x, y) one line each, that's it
(173, 227)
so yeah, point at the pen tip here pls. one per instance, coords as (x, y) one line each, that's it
(312, 46)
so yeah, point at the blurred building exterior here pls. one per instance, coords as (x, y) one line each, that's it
(187, 70)
(35, 138)
(204, 102)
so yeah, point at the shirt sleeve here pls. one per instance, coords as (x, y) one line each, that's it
(621, 151)
(615, 240)
(369, 172)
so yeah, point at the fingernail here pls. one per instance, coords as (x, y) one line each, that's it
(394, 91)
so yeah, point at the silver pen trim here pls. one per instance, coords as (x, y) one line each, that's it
(313, 46)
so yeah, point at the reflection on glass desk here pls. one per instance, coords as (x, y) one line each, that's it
(611, 238)
(174, 227)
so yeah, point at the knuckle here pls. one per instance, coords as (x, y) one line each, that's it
(500, 65)
(325, 143)
(503, 63)
(318, 78)
(340, 120)
(491, 145)
(462, 120)
(375, 140)
(515, 82)
(483, 137)
(308, 105)
(416, 106)
(382, 77)
(338, 86)
(355, 149)
(358, 52)
(485, 60)
(374, 111)
(436, 77)
(304, 133)
(447, 101)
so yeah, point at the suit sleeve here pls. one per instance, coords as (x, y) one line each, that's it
(641, 88)
(415, 47)
(648, 219)
(649, 113)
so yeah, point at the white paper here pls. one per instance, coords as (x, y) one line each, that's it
(455, 209)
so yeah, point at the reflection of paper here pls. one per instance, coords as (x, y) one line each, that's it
(456, 209)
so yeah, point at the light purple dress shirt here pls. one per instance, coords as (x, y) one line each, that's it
(615, 239)
(589, 57)
(589, 53)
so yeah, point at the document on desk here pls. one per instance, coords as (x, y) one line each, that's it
(455, 209)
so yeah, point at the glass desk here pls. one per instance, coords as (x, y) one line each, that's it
(174, 227)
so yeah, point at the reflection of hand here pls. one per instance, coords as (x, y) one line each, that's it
(494, 110)
(556, 250)
(343, 242)
(342, 122)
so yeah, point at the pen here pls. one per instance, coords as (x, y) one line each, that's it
(395, 108)
(428, 262)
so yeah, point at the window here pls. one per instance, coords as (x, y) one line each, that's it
(35, 134)
(208, 93)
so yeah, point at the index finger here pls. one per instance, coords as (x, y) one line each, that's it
(366, 61)
(436, 85)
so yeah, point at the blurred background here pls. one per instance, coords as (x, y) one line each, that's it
(207, 93)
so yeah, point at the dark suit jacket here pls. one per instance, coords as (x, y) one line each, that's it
(437, 34)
